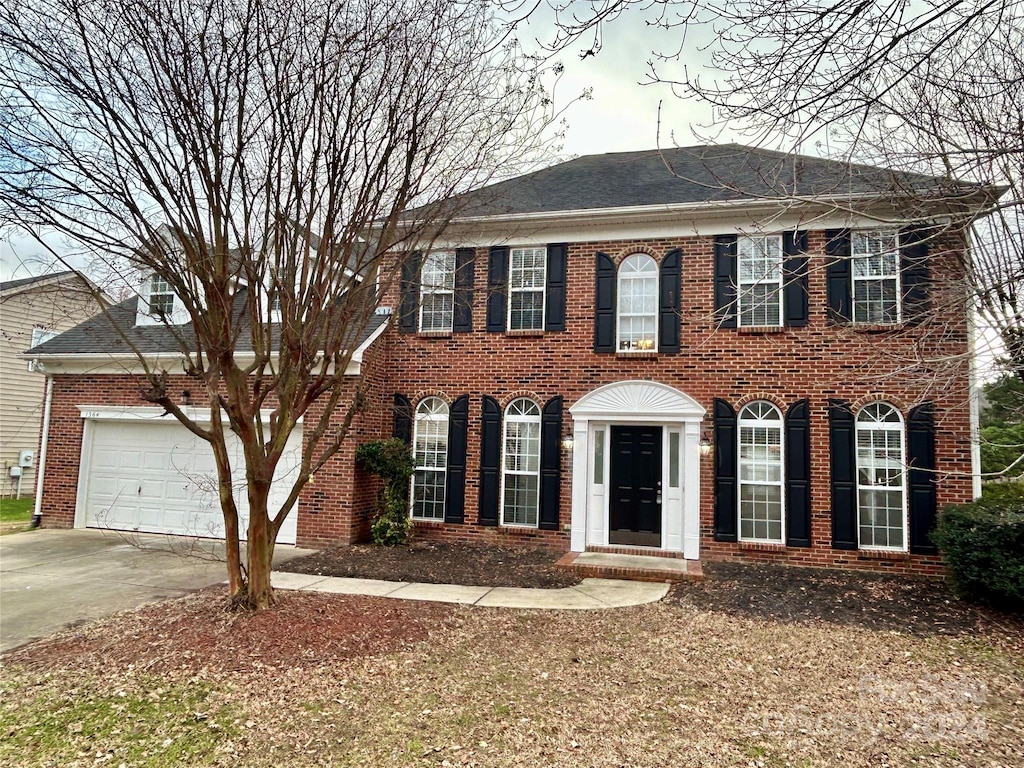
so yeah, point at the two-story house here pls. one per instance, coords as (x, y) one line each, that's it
(704, 353)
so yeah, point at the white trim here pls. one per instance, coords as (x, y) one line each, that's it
(543, 289)
(779, 424)
(636, 402)
(901, 430)
(154, 413)
(44, 444)
(417, 420)
(896, 276)
(744, 287)
(504, 455)
(637, 276)
(433, 290)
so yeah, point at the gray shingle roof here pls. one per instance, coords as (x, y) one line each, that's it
(701, 174)
(25, 281)
(98, 334)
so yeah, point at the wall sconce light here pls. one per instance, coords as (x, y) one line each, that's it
(568, 442)
(705, 444)
(186, 397)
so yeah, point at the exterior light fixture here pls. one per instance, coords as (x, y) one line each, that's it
(568, 442)
(186, 397)
(705, 444)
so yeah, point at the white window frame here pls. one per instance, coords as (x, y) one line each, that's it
(39, 336)
(861, 238)
(431, 411)
(621, 278)
(512, 289)
(520, 418)
(166, 291)
(757, 246)
(759, 421)
(444, 287)
(869, 425)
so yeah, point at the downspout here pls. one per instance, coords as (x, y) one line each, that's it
(37, 515)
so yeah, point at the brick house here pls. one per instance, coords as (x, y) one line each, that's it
(707, 353)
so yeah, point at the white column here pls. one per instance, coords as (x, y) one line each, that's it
(580, 484)
(691, 490)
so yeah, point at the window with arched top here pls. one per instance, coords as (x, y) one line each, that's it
(760, 473)
(881, 480)
(637, 304)
(430, 457)
(520, 477)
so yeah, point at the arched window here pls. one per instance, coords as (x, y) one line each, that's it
(437, 291)
(881, 498)
(520, 477)
(638, 304)
(760, 473)
(430, 456)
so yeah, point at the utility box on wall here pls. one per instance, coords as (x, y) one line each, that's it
(15, 471)
(27, 459)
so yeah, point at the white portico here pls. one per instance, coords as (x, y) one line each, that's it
(636, 468)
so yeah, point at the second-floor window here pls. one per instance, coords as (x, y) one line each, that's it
(161, 297)
(437, 291)
(526, 280)
(876, 277)
(760, 280)
(638, 304)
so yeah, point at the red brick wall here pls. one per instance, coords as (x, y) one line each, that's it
(820, 361)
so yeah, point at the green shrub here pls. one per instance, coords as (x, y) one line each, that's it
(983, 543)
(391, 460)
(1001, 446)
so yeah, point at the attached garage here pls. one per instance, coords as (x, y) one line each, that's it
(143, 471)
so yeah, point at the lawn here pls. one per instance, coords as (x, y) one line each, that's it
(337, 680)
(15, 511)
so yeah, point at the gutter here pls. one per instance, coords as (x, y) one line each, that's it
(37, 515)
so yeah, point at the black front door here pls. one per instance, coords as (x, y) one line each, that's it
(635, 506)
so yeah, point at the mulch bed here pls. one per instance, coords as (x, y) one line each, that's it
(440, 563)
(886, 602)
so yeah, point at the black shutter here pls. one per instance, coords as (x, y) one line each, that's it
(921, 458)
(465, 263)
(455, 488)
(842, 441)
(490, 462)
(408, 310)
(669, 302)
(554, 310)
(838, 275)
(798, 474)
(725, 471)
(401, 423)
(497, 277)
(915, 274)
(604, 305)
(550, 463)
(725, 282)
(794, 277)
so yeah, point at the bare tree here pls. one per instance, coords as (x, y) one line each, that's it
(239, 151)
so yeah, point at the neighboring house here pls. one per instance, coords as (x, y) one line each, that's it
(32, 310)
(734, 358)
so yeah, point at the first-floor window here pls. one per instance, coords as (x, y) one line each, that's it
(638, 304)
(880, 477)
(520, 477)
(760, 473)
(430, 456)
(437, 291)
(876, 277)
(760, 280)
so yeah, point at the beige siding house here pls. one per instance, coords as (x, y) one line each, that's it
(32, 310)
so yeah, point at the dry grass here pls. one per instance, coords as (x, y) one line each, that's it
(658, 685)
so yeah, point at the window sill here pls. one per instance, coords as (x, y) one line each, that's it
(762, 546)
(518, 529)
(525, 332)
(758, 330)
(875, 327)
(435, 334)
(637, 353)
(882, 554)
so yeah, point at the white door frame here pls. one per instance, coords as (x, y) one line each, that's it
(636, 402)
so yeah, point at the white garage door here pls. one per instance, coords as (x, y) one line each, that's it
(157, 477)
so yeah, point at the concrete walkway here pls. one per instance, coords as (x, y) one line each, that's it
(591, 594)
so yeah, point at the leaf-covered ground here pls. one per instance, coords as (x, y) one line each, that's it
(692, 681)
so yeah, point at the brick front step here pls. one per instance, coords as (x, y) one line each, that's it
(640, 551)
(616, 565)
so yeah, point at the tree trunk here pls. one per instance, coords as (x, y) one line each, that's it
(236, 581)
(261, 549)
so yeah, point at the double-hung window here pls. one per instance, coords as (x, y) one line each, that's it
(520, 477)
(760, 280)
(527, 274)
(430, 458)
(437, 291)
(881, 498)
(876, 277)
(760, 473)
(161, 297)
(638, 304)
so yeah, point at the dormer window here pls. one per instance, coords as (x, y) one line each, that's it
(161, 297)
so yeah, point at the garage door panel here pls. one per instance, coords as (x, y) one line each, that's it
(157, 477)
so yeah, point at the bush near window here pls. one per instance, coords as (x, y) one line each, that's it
(392, 461)
(983, 543)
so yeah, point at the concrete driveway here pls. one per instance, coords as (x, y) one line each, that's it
(50, 579)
